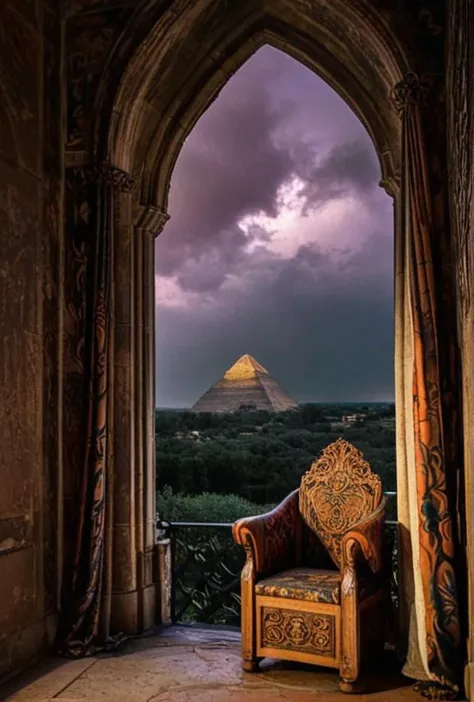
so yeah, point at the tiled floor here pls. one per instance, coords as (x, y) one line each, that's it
(191, 665)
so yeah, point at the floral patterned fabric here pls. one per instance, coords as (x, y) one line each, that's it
(303, 584)
(434, 462)
(311, 585)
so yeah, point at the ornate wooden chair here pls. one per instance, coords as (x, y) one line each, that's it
(312, 586)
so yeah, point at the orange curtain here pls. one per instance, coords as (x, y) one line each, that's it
(434, 548)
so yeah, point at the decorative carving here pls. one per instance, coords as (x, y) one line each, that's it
(90, 41)
(411, 91)
(337, 492)
(346, 666)
(310, 632)
(248, 571)
(118, 179)
(104, 172)
(151, 219)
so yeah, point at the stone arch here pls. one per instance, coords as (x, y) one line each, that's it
(188, 56)
(165, 86)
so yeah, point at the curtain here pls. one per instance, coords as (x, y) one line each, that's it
(426, 515)
(85, 611)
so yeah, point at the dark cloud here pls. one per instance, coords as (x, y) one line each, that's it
(350, 168)
(229, 167)
(323, 329)
(320, 320)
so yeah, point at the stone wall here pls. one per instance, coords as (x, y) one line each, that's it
(460, 99)
(31, 119)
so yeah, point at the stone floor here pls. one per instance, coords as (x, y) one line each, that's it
(185, 664)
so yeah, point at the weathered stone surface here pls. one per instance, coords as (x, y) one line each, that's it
(125, 559)
(20, 217)
(48, 679)
(20, 81)
(17, 590)
(194, 665)
(31, 11)
(30, 243)
(15, 533)
(22, 648)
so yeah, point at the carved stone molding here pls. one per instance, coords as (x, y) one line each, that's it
(151, 219)
(391, 184)
(411, 90)
(104, 172)
(118, 179)
(148, 121)
(390, 181)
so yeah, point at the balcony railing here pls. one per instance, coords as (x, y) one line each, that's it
(206, 566)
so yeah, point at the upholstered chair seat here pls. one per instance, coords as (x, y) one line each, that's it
(313, 587)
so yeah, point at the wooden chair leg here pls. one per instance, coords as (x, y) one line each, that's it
(250, 665)
(350, 635)
(355, 688)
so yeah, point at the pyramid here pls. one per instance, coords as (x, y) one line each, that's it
(247, 384)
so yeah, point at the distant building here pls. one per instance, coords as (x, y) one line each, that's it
(351, 418)
(246, 385)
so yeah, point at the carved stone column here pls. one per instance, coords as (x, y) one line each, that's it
(124, 605)
(149, 224)
(135, 569)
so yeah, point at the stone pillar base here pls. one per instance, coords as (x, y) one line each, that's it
(149, 606)
(163, 590)
(124, 614)
(134, 612)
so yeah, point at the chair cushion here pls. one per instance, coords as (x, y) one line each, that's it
(303, 584)
(311, 585)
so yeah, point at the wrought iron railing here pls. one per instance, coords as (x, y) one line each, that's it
(206, 566)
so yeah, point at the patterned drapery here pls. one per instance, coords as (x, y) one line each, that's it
(427, 510)
(85, 610)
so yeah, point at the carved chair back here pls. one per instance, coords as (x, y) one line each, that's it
(336, 493)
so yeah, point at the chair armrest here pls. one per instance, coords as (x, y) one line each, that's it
(364, 542)
(272, 539)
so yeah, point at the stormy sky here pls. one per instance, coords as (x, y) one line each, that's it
(279, 244)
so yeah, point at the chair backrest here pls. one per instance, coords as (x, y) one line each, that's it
(337, 492)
